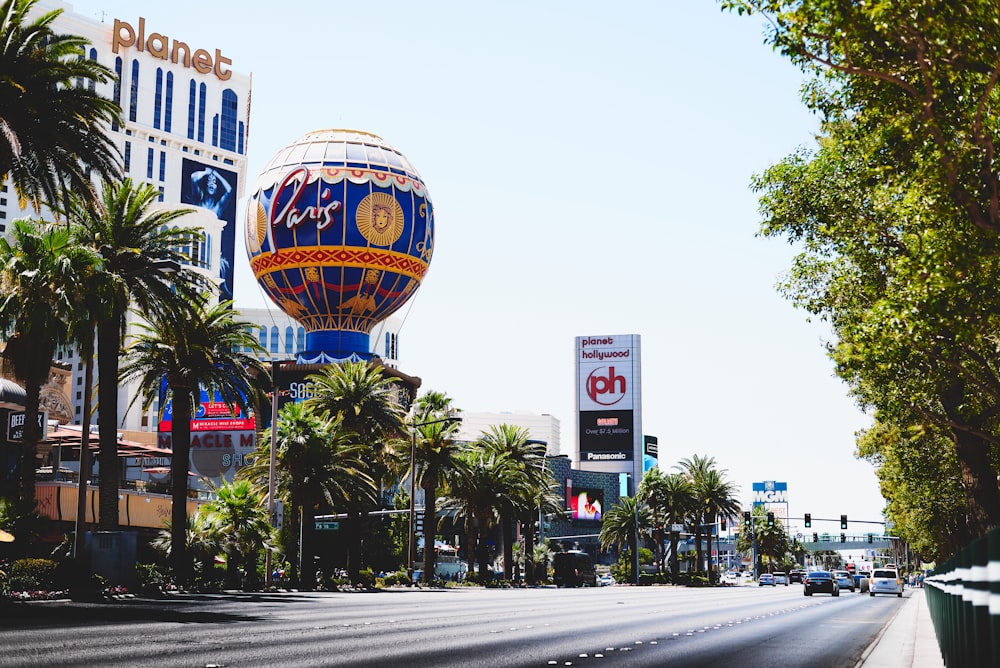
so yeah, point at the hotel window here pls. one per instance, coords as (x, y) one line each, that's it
(93, 84)
(191, 109)
(160, 198)
(128, 156)
(163, 165)
(228, 125)
(202, 94)
(118, 89)
(168, 106)
(158, 98)
(215, 130)
(289, 338)
(274, 340)
(240, 137)
(133, 103)
(300, 339)
(149, 164)
(263, 337)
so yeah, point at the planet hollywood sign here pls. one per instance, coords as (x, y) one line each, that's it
(124, 35)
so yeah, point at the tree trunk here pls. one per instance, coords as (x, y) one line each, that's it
(29, 448)
(529, 550)
(180, 437)
(978, 476)
(108, 348)
(675, 567)
(507, 531)
(430, 523)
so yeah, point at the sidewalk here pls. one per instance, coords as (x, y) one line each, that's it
(908, 641)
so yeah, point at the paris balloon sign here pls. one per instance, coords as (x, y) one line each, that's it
(340, 233)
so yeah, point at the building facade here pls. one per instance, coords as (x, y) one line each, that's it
(186, 111)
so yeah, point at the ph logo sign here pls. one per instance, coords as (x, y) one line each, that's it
(605, 387)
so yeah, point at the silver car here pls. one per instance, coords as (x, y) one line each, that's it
(886, 581)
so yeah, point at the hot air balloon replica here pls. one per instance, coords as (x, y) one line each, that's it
(340, 233)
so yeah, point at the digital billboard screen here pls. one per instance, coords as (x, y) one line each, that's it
(586, 504)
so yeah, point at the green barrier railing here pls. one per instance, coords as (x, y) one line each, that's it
(963, 596)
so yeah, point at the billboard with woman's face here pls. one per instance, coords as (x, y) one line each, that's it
(214, 188)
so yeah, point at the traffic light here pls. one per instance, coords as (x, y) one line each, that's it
(722, 524)
(843, 538)
(870, 539)
(843, 521)
(815, 537)
(746, 518)
(770, 519)
(809, 520)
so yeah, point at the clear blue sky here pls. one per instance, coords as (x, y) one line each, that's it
(589, 166)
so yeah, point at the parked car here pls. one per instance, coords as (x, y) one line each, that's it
(766, 579)
(885, 581)
(573, 568)
(798, 575)
(780, 578)
(845, 580)
(820, 582)
(606, 579)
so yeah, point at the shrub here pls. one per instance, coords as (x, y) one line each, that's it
(35, 575)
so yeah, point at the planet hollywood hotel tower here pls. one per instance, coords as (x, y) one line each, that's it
(609, 404)
(185, 118)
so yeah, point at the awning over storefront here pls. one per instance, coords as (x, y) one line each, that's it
(12, 395)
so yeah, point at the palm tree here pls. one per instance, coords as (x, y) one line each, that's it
(201, 538)
(717, 498)
(316, 462)
(696, 468)
(139, 249)
(240, 517)
(621, 525)
(480, 489)
(44, 279)
(52, 129)
(435, 455)
(528, 456)
(195, 346)
(670, 497)
(357, 395)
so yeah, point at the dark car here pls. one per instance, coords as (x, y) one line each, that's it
(573, 569)
(797, 575)
(820, 582)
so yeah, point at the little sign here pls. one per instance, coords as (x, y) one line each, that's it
(327, 526)
(15, 425)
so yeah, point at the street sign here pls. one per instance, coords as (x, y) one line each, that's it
(327, 526)
(677, 528)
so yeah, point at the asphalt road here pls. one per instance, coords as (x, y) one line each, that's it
(612, 626)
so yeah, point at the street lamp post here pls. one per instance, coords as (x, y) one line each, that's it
(412, 547)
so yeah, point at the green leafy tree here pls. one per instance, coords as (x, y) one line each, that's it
(921, 480)
(363, 400)
(717, 498)
(920, 74)
(44, 281)
(138, 244)
(897, 213)
(52, 121)
(697, 469)
(193, 345)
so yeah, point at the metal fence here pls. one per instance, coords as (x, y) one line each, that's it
(963, 596)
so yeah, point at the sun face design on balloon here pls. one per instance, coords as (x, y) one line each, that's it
(380, 219)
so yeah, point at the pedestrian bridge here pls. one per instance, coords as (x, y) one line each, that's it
(850, 542)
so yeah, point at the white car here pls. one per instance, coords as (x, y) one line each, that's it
(885, 581)
(731, 578)
(606, 579)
